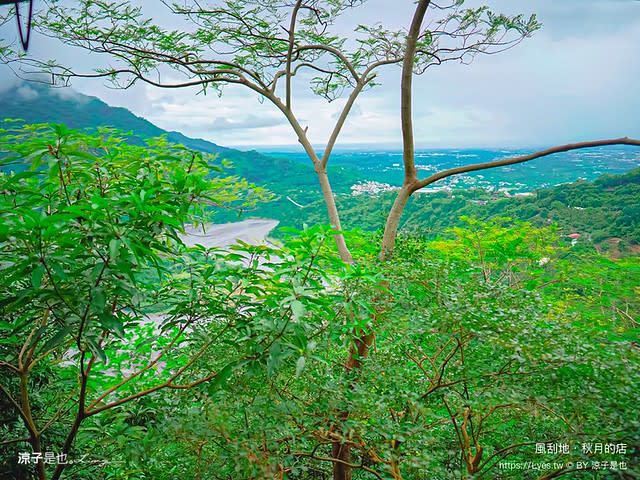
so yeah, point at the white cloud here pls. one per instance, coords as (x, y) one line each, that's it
(26, 92)
(69, 94)
(576, 78)
(243, 123)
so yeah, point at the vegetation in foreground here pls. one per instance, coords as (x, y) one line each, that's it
(130, 356)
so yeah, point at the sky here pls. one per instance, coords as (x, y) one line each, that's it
(575, 79)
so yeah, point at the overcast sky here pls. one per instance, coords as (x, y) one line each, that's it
(576, 78)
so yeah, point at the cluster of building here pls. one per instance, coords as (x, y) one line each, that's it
(372, 188)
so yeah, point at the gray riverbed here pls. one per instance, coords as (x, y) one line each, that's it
(220, 235)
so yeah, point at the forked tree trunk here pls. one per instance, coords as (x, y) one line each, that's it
(321, 171)
(393, 222)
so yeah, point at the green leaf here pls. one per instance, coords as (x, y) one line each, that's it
(96, 349)
(36, 276)
(220, 380)
(112, 323)
(98, 301)
(114, 248)
(297, 310)
(59, 337)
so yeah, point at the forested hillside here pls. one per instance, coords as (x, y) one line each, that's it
(600, 211)
(459, 313)
(43, 104)
(199, 363)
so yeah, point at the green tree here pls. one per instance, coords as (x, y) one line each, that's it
(103, 307)
(261, 55)
(264, 47)
(197, 363)
(92, 263)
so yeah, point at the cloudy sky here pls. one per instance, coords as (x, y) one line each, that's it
(577, 78)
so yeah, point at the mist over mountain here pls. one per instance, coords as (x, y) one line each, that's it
(39, 103)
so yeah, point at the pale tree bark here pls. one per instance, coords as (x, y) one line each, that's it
(319, 166)
(321, 172)
(393, 222)
(406, 119)
(406, 91)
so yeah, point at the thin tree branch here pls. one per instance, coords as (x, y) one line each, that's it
(342, 462)
(292, 28)
(406, 92)
(337, 53)
(521, 159)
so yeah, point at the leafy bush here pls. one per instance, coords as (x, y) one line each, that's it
(140, 358)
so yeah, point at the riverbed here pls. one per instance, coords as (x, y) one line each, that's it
(209, 235)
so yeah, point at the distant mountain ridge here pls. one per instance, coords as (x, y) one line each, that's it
(38, 103)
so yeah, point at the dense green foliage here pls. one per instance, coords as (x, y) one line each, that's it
(175, 362)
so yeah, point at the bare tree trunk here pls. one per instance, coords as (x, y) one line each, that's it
(406, 118)
(332, 210)
(393, 219)
(393, 222)
(360, 349)
(342, 452)
(34, 436)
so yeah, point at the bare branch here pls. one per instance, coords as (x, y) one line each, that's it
(292, 29)
(406, 92)
(521, 159)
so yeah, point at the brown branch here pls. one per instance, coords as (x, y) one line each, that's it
(406, 92)
(57, 414)
(341, 120)
(27, 343)
(337, 53)
(561, 417)
(521, 159)
(10, 366)
(29, 422)
(166, 384)
(240, 80)
(81, 413)
(150, 365)
(503, 451)
(14, 440)
(292, 28)
(342, 462)
(44, 355)
(14, 402)
(318, 69)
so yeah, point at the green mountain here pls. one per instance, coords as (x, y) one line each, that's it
(37, 103)
(605, 212)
